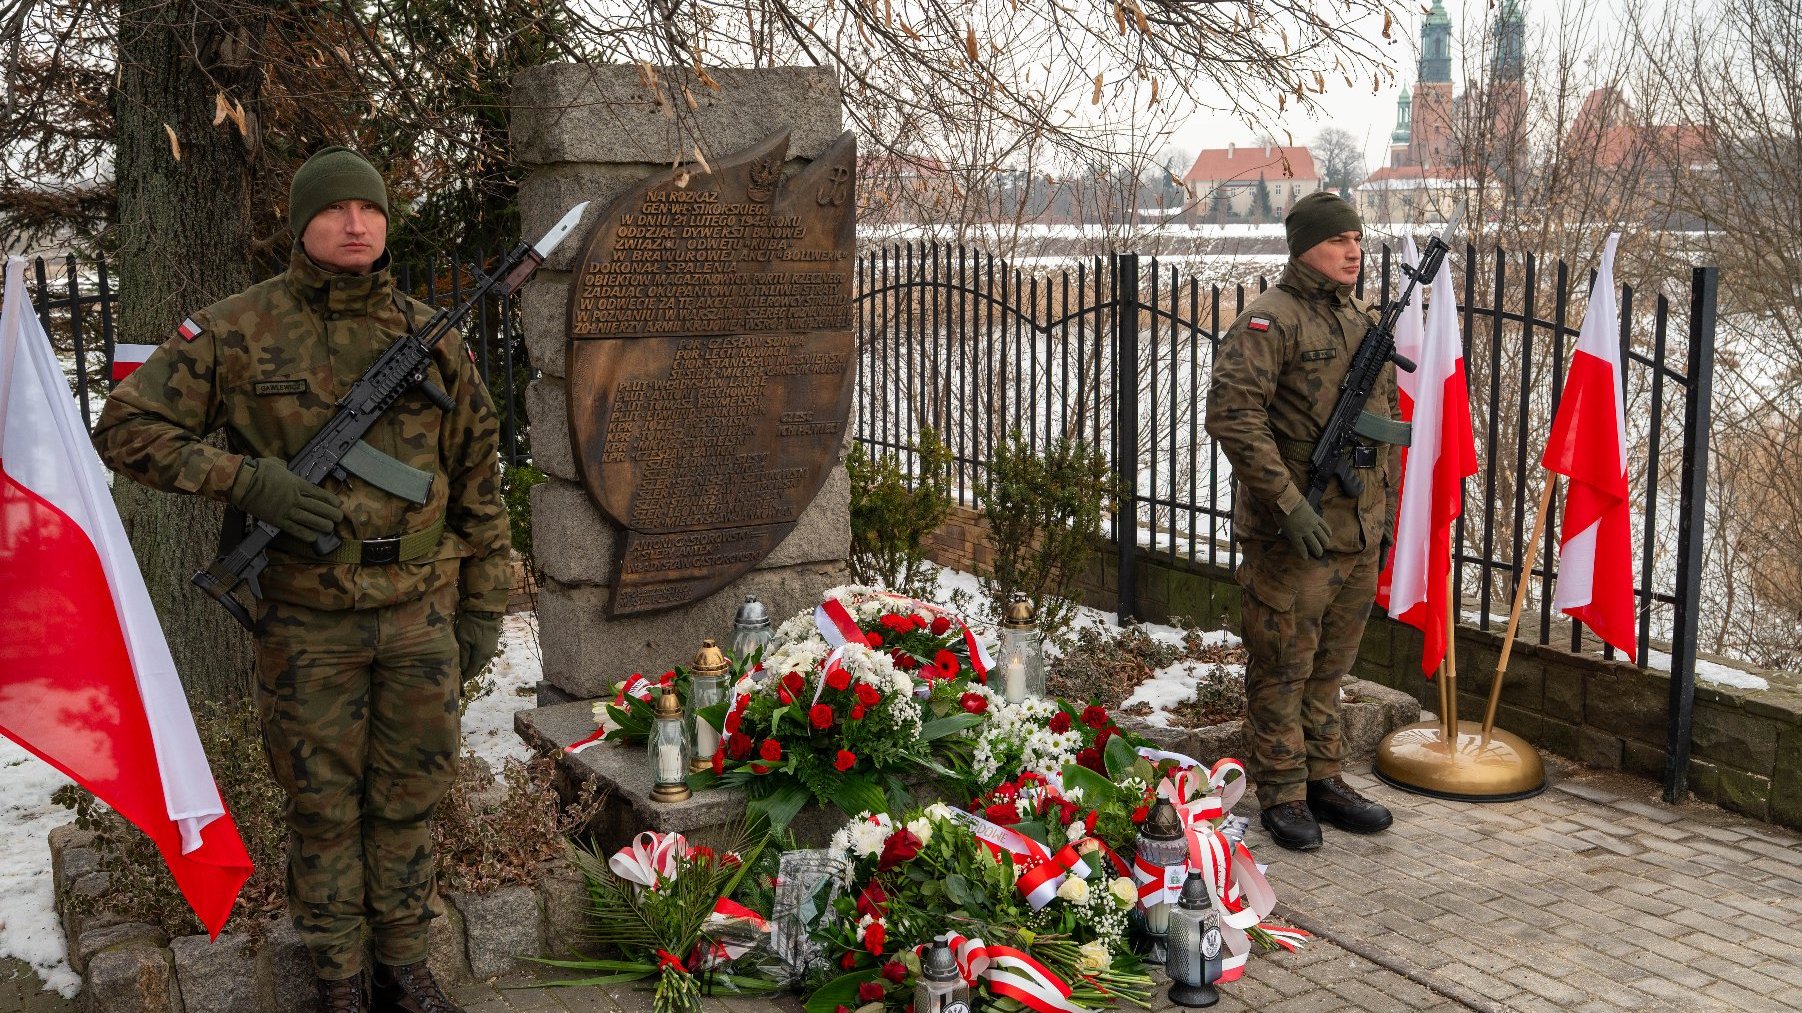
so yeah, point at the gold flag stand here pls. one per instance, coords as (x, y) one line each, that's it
(1464, 760)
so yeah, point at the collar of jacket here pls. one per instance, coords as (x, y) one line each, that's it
(1311, 284)
(359, 294)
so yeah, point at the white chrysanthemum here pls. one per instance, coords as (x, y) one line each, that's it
(867, 838)
(1074, 794)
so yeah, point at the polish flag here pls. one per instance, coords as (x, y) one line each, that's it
(1588, 446)
(1442, 452)
(86, 680)
(127, 358)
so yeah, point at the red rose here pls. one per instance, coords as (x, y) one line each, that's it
(872, 941)
(1060, 723)
(719, 761)
(947, 663)
(904, 661)
(868, 695)
(784, 695)
(895, 971)
(1003, 813)
(739, 747)
(975, 703)
(870, 991)
(939, 625)
(794, 683)
(846, 760)
(1090, 758)
(901, 846)
(1140, 813)
(874, 640)
(771, 750)
(820, 716)
(1094, 717)
(1066, 810)
(872, 901)
(838, 678)
(733, 720)
(858, 712)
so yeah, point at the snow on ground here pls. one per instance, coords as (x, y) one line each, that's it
(29, 929)
(1711, 672)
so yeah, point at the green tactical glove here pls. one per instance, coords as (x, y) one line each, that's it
(1306, 531)
(478, 638)
(267, 490)
(1388, 540)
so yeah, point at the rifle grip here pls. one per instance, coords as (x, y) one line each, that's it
(438, 397)
(1402, 362)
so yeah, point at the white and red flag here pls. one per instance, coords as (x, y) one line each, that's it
(1588, 446)
(127, 358)
(1441, 454)
(86, 679)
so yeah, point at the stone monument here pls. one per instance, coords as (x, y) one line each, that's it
(695, 352)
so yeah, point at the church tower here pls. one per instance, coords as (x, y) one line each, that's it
(1430, 139)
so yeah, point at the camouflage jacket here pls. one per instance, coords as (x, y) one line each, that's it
(267, 365)
(1276, 378)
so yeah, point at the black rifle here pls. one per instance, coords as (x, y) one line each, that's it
(401, 368)
(1332, 453)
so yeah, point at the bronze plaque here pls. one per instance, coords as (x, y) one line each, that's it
(710, 363)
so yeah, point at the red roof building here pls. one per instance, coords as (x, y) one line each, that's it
(1225, 180)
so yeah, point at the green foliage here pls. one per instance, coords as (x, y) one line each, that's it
(1261, 206)
(1044, 516)
(516, 489)
(893, 513)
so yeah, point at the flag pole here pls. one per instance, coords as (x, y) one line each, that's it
(1450, 664)
(1520, 596)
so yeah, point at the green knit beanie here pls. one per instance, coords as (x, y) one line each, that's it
(331, 175)
(1318, 217)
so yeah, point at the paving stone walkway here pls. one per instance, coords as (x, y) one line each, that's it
(1593, 896)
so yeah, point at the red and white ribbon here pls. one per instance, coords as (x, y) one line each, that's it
(1012, 973)
(650, 858)
(1040, 871)
(725, 913)
(636, 686)
(835, 623)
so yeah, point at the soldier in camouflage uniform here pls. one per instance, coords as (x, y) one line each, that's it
(1308, 578)
(360, 655)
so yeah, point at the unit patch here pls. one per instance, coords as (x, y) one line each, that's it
(1257, 324)
(189, 330)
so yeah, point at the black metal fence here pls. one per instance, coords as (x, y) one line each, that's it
(74, 301)
(958, 341)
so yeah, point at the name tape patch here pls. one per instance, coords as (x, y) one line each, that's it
(1257, 324)
(1318, 354)
(268, 387)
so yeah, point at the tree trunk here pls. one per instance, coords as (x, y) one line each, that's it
(184, 242)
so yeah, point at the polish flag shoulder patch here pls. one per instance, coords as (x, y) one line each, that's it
(1258, 324)
(189, 330)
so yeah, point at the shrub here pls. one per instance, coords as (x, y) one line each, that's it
(1044, 517)
(516, 489)
(487, 833)
(893, 513)
(1103, 665)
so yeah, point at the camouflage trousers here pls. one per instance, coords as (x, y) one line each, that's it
(359, 711)
(1302, 622)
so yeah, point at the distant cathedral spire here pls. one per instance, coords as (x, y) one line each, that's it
(1436, 46)
(1508, 42)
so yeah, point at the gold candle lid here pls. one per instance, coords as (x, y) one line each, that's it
(710, 660)
(667, 706)
(1019, 614)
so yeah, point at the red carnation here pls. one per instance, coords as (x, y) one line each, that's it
(975, 703)
(858, 712)
(901, 846)
(838, 678)
(739, 747)
(1094, 717)
(842, 1008)
(771, 750)
(846, 760)
(868, 695)
(1060, 723)
(1105, 734)
(719, 761)
(667, 679)
(873, 901)
(947, 663)
(733, 721)
(758, 768)
(847, 961)
(870, 991)
(897, 622)
(1140, 813)
(939, 625)
(1066, 810)
(1090, 758)
(820, 715)
(794, 683)
(872, 941)
(783, 695)
(895, 971)
(905, 661)
(1030, 777)
(1003, 813)
(874, 640)
(1088, 822)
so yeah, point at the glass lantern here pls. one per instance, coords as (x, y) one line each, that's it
(941, 988)
(1022, 662)
(1193, 960)
(1161, 844)
(706, 687)
(669, 750)
(750, 629)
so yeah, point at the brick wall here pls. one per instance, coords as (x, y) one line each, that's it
(1746, 746)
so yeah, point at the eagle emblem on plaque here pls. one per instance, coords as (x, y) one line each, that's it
(710, 364)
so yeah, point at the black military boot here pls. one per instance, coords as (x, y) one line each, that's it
(1291, 825)
(345, 995)
(1333, 800)
(410, 988)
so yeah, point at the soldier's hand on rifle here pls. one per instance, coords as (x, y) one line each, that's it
(1306, 531)
(267, 490)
